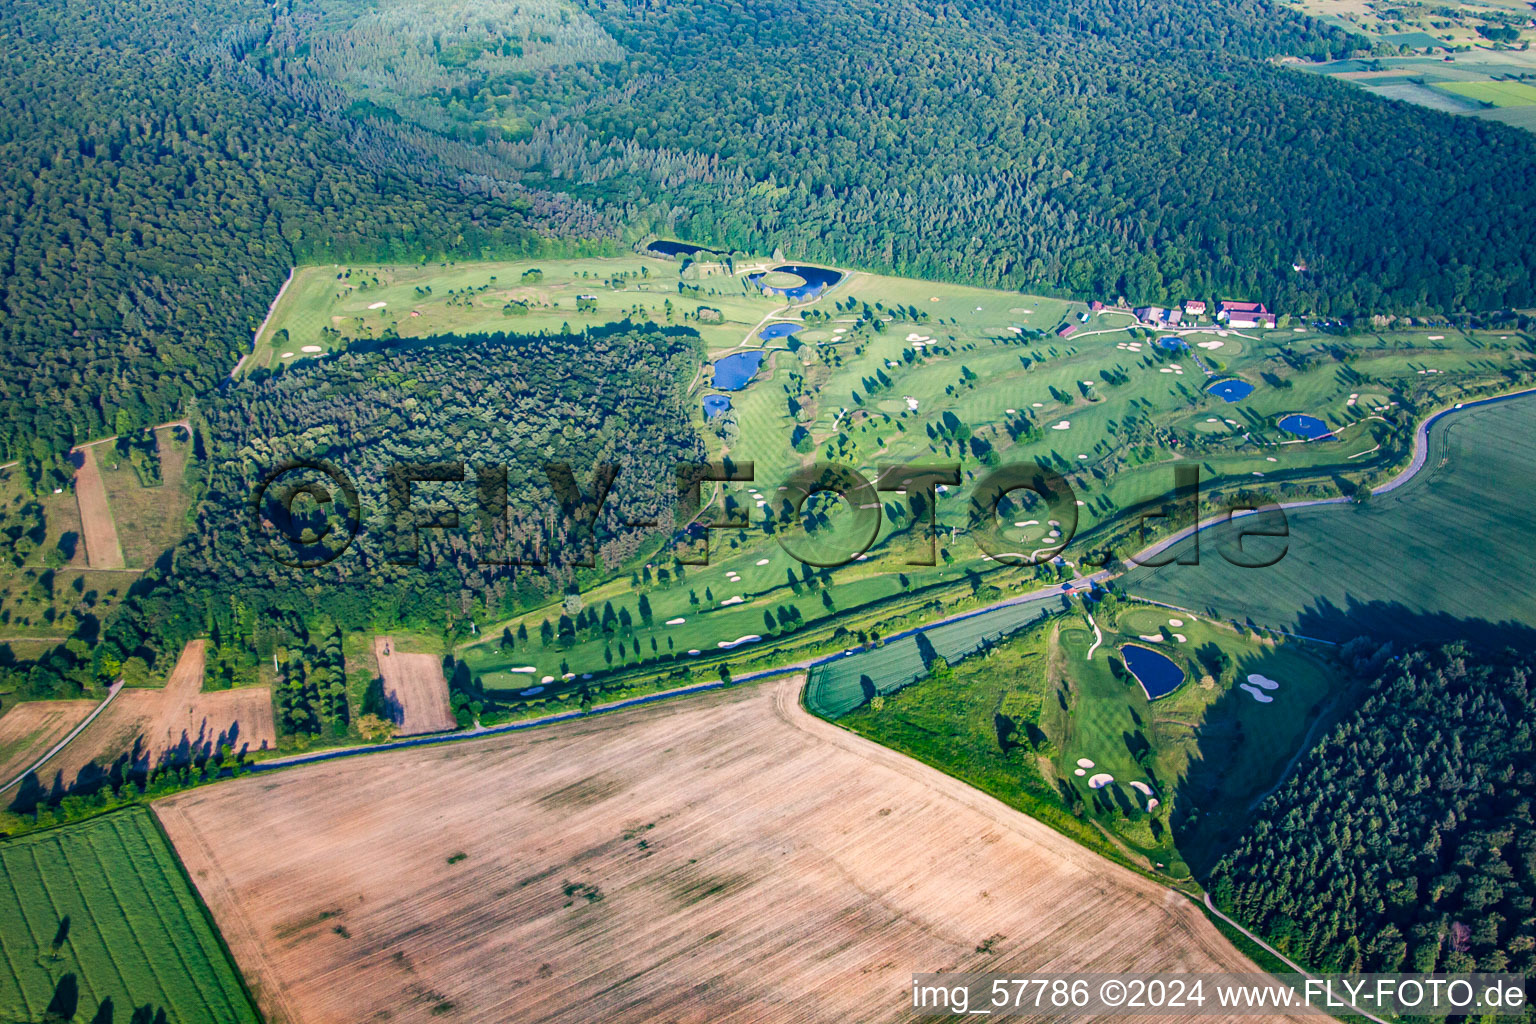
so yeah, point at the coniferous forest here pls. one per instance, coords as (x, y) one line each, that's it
(164, 163)
(1405, 840)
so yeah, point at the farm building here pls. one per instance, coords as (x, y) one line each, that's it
(1096, 306)
(1194, 307)
(1158, 315)
(1066, 330)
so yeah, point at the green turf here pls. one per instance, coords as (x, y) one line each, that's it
(102, 907)
(1446, 556)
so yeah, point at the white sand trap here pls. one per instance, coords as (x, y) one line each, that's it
(1299, 330)
(547, 679)
(738, 599)
(531, 691)
(1142, 788)
(761, 504)
(1085, 762)
(311, 348)
(1164, 369)
(1082, 456)
(524, 669)
(1212, 419)
(1055, 533)
(913, 336)
(1270, 458)
(1152, 803)
(1026, 312)
(1353, 395)
(378, 305)
(911, 403)
(1078, 772)
(1100, 780)
(1063, 425)
(287, 355)
(1175, 623)
(1264, 681)
(695, 651)
(1021, 522)
(762, 561)
(677, 621)
(572, 675)
(1016, 330)
(1210, 344)
(728, 644)
(1011, 412)
(1437, 337)
(1153, 639)
(1081, 502)
(1257, 694)
(1181, 638)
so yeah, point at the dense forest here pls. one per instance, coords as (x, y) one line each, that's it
(163, 163)
(1405, 841)
(496, 411)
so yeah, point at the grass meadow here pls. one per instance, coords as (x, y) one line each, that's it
(99, 914)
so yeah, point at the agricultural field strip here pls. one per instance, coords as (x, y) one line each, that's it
(115, 689)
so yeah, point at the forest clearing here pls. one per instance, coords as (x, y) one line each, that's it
(607, 865)
(415, 692)
(100, 530)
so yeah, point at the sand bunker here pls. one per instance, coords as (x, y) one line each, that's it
(676, 622)
(1211, 344)
(287, 355)
(762, 561)
(311, 348)
(1078, 772)
(1153, 639)
(524, 669)
(1257, 694)
(1084, 762)
(378, 305)
(732, 600)
(1181, 638)
(1063, 425)
(1100, 780)
(1264, 681)
(728, 644)
(1142, 788)
(1175, 623)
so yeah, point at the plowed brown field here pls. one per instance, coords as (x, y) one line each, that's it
(724, 858)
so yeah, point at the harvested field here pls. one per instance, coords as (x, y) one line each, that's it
(173, 723)
(727, 858)
(29, 729)
(415, 692)
(101, 546)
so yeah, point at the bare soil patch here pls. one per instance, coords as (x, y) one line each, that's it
(28, 730)
(170, 724)
(100, 531)
(725, 858)
(415, 692)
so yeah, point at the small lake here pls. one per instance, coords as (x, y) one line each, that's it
(1173, 343)
(1302, 425)
(773, 331)
(1230, 389)
(816, 280)
(678, 248)
(734, 371)
(1157, 673)
(715, 405)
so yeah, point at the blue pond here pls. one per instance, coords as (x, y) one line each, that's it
(677, 248)
(773, 331)
(1156, 672)
(1173, 343)
(733, 372)
(817, 280)
(1230, 389)
(714, 405)
(1302, 425)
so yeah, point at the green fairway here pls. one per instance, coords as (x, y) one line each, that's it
(1500, 94)
(891, 370)
(328, 307)
(1446, 556)
(1072, 739)
(99, 913)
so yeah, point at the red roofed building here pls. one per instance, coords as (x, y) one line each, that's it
(1194, 307)
(1244, 314)
(1096, 306)
(1066, 330)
